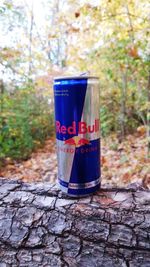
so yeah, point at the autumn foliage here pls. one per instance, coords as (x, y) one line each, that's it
(105, 38)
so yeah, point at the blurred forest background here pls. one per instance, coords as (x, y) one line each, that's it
(45, 38)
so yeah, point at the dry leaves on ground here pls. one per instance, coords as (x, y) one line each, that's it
(122, 164)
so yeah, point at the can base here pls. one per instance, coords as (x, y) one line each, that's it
(81, 193)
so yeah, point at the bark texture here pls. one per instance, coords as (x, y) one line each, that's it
(40, 227)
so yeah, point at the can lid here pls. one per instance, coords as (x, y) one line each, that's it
(75, 77)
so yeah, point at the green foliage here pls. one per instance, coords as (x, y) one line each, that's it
(25, 123)
(107, 121)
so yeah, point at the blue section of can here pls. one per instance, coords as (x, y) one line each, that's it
(76, 134)
(86, 163)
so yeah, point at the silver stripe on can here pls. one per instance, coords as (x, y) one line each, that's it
(63, 188)
(65, 156)
(91, 109)
(84, 185)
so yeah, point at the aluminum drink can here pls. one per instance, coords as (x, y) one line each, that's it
(76, 101)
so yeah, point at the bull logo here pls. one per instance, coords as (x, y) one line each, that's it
(77, 141)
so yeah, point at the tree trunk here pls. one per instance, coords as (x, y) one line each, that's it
(30, 41)
(1, 95)
(39, 226)
(2, 119)
(148, 117)
(123, 105)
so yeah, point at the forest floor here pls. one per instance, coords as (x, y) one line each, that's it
(123, 163)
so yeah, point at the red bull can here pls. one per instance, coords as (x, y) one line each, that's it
(77, 134)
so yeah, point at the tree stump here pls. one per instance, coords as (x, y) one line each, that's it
(41, 227)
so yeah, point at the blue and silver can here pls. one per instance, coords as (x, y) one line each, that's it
(77, 134)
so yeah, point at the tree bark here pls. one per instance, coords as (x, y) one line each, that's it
(1, 95)
(148, 117)
(2, 119)
(30, 41)
(123, 104)
(39, 226)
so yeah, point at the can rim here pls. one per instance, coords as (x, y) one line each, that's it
(75, 78)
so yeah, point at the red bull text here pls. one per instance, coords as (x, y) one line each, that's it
(77, 134)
